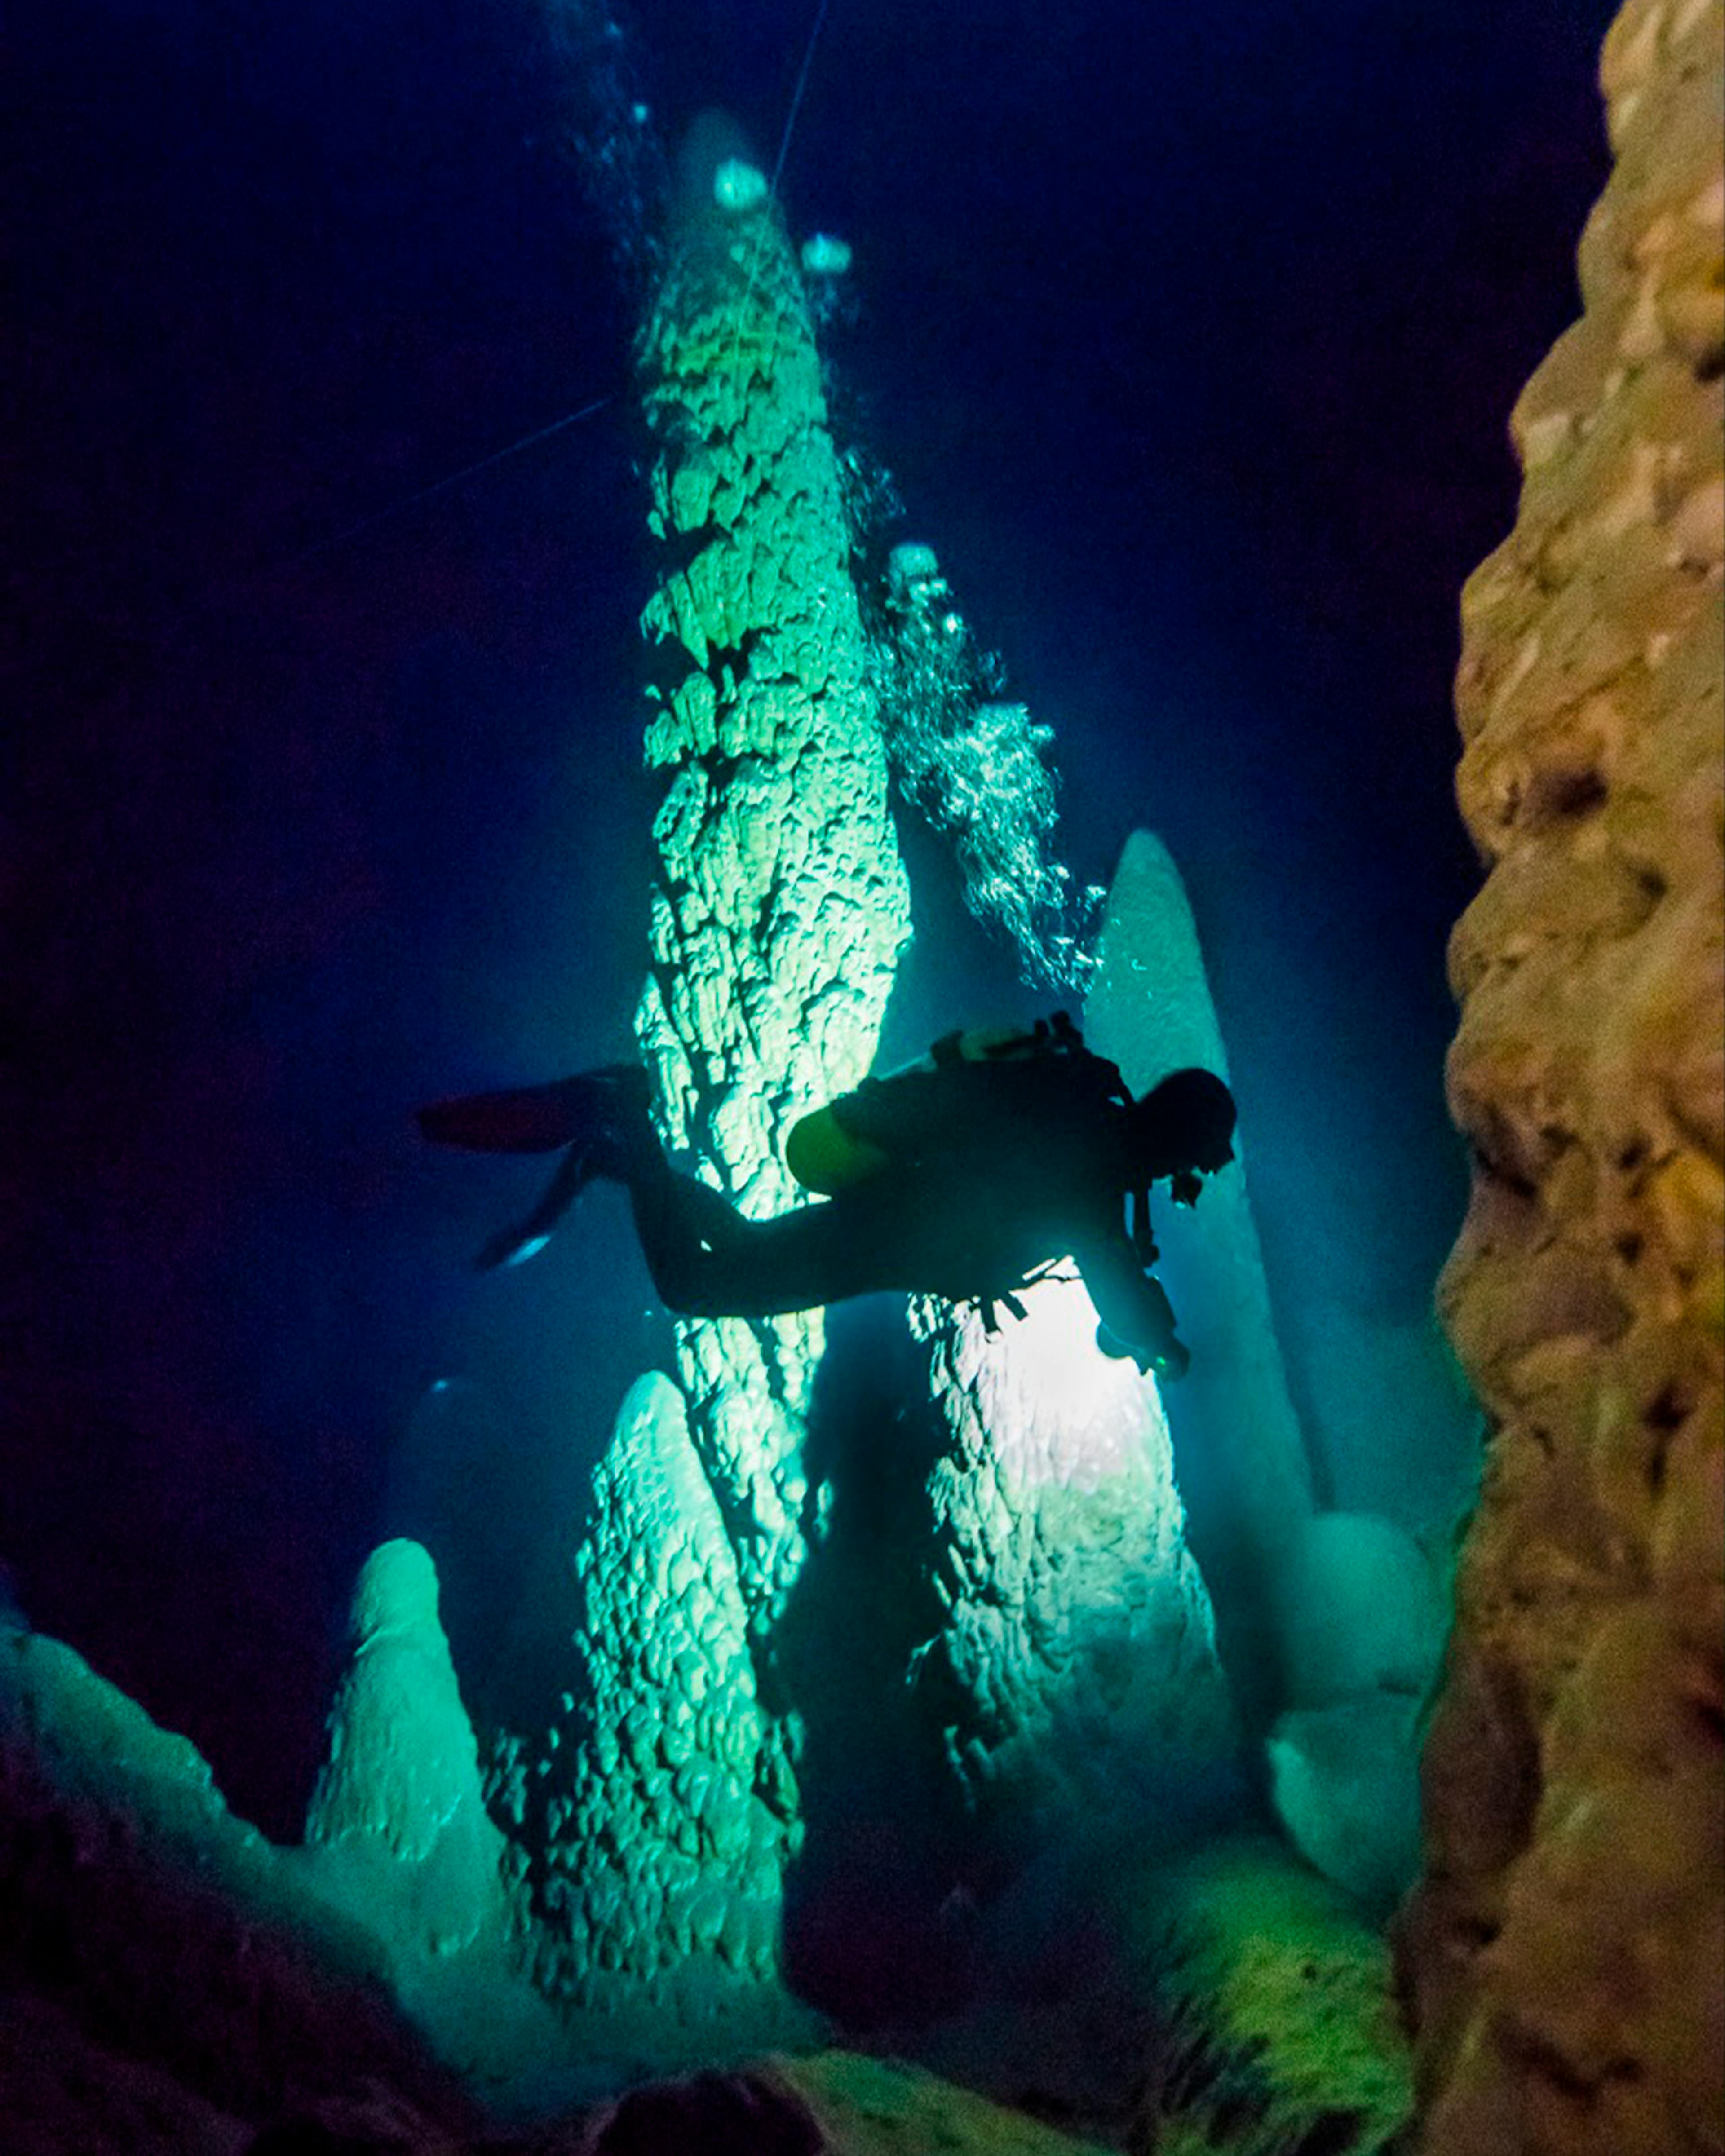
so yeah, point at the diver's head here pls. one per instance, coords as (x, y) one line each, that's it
(1182, 1129)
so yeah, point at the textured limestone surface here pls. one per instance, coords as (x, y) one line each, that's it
(1564, 1953)
(1280, 2034)
(1077, 1669)
(398, 1818)
(1243, 1455)
(1079, 1640)
(779, 904)
(1075, 1676)
(655, 1871)
(867, 2107)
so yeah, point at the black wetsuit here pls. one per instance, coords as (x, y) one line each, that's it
(986, 1168)
(994, 1171)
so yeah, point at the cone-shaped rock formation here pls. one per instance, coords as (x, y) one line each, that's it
(780, 905)
(1078, 1660)
(1244, 1457)
(656, 1868)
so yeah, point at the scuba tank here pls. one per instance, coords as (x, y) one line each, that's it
(911, 1113)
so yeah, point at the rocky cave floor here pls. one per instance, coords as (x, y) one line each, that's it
(169, 1987)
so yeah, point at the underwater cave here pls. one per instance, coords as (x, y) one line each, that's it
(607, 579)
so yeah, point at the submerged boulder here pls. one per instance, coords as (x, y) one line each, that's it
(1364, 1622)
(1345, 1781)
(1365, 1611)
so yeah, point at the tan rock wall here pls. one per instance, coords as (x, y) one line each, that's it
(1564, 1952)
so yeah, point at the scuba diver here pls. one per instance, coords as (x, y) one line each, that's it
(970, 1175)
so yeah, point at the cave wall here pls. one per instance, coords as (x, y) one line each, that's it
(1563, 1953)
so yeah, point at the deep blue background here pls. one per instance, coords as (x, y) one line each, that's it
(1189, 337)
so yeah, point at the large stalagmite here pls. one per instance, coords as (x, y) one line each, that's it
(1565, 1949)
(1150, 1011)
(1077, 1631)
(655, 1867)
(779, 904)
(778, 909)
(399, 1839)
(1077, 1663)
(1329, 1622)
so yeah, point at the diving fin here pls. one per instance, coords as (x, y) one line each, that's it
(514, 1246)
(595, 1118)
(529, 1118)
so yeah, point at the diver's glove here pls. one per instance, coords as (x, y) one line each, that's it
(1170, 1361)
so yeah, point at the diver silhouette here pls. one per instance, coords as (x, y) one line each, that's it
(970, 1175)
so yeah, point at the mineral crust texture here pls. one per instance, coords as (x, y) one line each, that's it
(1564, 1952)
(655, 1867)
(778, 909)
(1076, 1673)
(1278, 2030)
(1077, 1669)
(779, 904)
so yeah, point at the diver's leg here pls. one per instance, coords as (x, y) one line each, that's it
(707, 1260)
(683, 1227)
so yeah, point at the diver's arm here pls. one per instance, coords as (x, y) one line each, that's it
(1137, 1316)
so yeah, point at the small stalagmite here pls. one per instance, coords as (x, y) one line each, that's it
(397, 1820)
